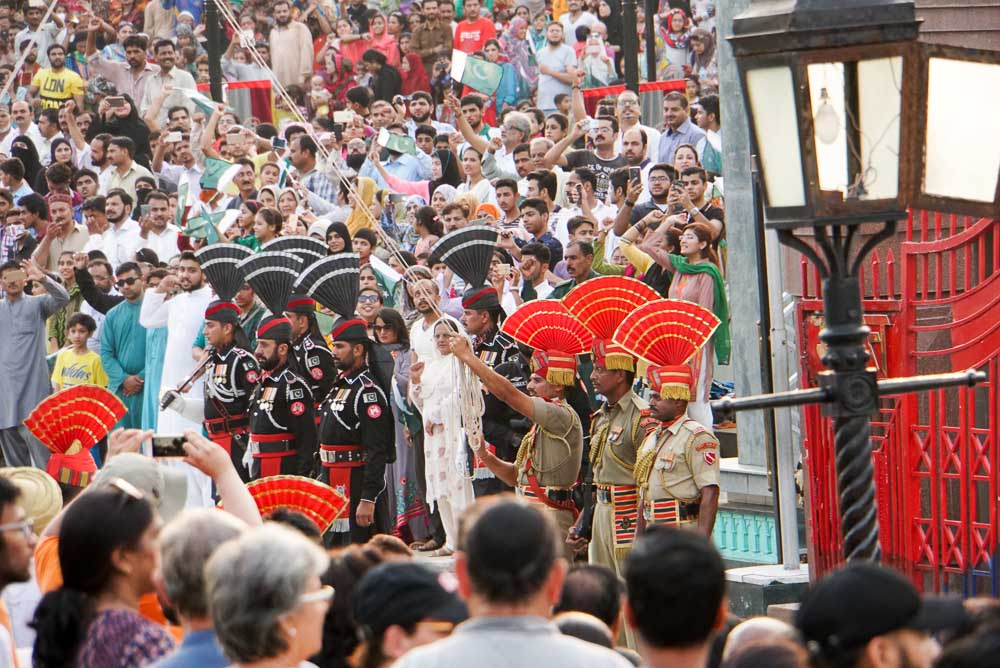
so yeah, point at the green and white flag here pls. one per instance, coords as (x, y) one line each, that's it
(214, 170)
(476, 73)
(397, 143)
(205, 104)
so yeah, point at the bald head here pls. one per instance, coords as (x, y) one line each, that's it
(757, 629)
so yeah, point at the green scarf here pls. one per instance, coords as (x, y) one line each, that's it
(719, 305)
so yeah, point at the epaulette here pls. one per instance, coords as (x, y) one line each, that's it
(505, 341)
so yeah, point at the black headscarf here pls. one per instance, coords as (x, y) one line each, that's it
(129, 126)
(449, 171)
(28, 155)
(340, 229)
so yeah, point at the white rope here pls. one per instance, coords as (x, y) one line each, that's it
(33, 40)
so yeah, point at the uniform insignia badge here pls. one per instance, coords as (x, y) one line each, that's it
(710, 457)
(296, 394)
(369, 397)
(252, 376)
(615, 434)
(313, 361)
(374, 411)
(220, 370)
(298, 408)
(316, 373)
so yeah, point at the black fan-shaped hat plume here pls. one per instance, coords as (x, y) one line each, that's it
(219, 264)
(307, 248)
(272, 275)
(333, 282)
(467, 252)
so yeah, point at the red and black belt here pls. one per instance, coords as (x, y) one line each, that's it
(222, 429)
(270, 449)
(339, 460)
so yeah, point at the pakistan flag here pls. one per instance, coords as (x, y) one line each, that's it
(476, 73)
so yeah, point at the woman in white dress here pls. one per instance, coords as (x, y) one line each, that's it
(436, 390)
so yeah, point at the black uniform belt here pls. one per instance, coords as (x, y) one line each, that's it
(352, 456)
(606, 493)
(263, 444)
(557, 494)
(666, 510)
(234, 424)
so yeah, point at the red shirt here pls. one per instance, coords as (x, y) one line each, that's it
(470, 37)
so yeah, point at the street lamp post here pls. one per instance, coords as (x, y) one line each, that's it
(213, 33)
(844, 105)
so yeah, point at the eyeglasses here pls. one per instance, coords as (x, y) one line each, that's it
(25, 526)
(658, 179)
(125, 281)
(368, 299)
(322, 595)
(382, 328)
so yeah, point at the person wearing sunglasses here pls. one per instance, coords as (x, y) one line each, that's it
(370, 302)
(266, 599)
(108, 552)
(123, 343)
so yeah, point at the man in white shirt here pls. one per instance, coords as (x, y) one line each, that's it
(48, 132)
(627, 110)
(156, 231)
(171, 76)
(121, 239)
(580, 188)
(43, 34)
(184, 168)
(24, 124)
(573, 19)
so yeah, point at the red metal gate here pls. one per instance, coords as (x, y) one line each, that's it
(935, 454)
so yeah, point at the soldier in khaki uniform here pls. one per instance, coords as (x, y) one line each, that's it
(677, 467)
(549, 458)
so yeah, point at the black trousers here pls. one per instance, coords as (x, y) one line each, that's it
(436, 527)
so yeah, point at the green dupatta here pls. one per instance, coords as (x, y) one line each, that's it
(720, 307)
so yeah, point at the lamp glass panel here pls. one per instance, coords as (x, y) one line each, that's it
(962, 157)
(771, 93)
(867, 131)
(826, 93)
(880, 104)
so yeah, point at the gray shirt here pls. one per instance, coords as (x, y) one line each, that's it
(559, 59)
(22, 351)
(501, 642)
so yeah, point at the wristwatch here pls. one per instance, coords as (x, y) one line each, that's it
(694, 211)
(629, 204)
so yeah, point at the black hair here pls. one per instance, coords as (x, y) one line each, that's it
(160, 43)
(575, 222)
(546, 181)
(536, 204)
(521, 148)
(619, 179)
(664, 167)
(367, 235)
(587, 175)
(137, 41)
(58, 173)
(9, 492)
(677, 96)
(669, 568)
(121, 194)
(424, 129)
(373, 56)
(124, 143)
(510, 184)
(295, 520)
(54, 45)
(593, 589)
(510, 549)
(13, 167)
(36, 204)
(271, 217)
(158, 194)
(472, 99)
(394, 320)
(87, 541)
(359, 95)
(695, 170)
(710, 103)
(537, 250)
(291, 130)
(340, 631)
(306, 143)
(586, 248)
(96, 203)
(126, 267)
(78, 318)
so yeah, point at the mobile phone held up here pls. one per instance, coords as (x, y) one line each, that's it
(167, 446)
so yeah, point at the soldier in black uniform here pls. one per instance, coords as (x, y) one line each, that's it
(357, 434)
(313, 358)
(481, 319)
(230, 380)
(282, 418)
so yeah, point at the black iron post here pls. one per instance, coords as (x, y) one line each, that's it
(649, 32)
(213, 32)
(630, 45)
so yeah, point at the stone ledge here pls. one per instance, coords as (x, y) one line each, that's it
(768, 574)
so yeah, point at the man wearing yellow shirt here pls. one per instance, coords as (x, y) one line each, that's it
(55, 85)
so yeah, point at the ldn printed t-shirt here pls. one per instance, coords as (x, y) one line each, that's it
(55, 89)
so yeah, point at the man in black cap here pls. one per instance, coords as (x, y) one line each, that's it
(230, 379)
(357, 433)
(282, 419)
(313, 357)
(402, 605)
(865, 615)
(481, 319)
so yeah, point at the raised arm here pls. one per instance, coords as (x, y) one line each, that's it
(480, 144)
(557, 154)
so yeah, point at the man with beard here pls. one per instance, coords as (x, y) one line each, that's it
(432, 39)
(156, 231)
(183, 168)
(628, 110)
(421, 105)
(231, 377)
(121, 239)
(481, 319)
(128, 78)
(124, 170)
(43, 34)
(556, 67)
(123, 340)
(245, 181)
(175, 77)
(302, 153)
(24, 124)
(356, 434)
(293, 41)
(282, 421)
(62, 234)
(56, 84)
(312, 356)
(178, 304)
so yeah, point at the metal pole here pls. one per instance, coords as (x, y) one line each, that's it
(630, 45)
(649, 30)
(213, 31)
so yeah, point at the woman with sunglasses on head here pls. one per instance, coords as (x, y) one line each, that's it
(108, 551)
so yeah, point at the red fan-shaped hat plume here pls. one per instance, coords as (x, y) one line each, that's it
(557, 337)
(666, 331)
(75, 419)
(316, 500)
(601, 304)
